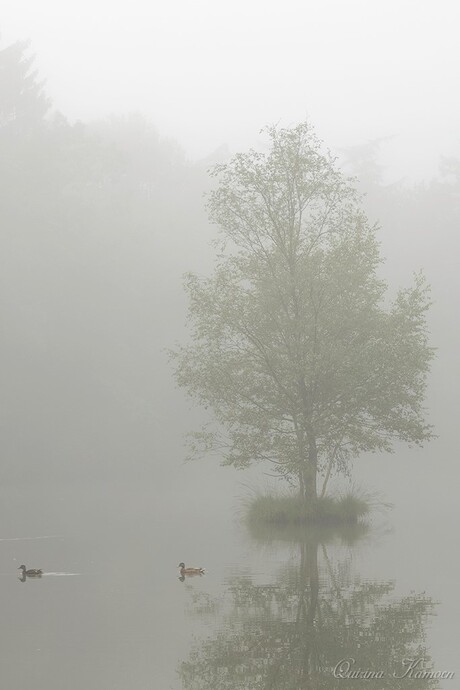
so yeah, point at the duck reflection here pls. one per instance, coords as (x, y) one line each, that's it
(293, 633)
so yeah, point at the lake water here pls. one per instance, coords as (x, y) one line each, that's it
(273, 610)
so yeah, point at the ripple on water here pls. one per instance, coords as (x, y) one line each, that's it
(60, 574)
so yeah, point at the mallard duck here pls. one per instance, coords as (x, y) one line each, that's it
(30, 573)
(190, 571)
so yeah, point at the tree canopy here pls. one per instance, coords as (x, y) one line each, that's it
(294, 345)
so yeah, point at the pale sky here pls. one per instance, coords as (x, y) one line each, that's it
(209, 73)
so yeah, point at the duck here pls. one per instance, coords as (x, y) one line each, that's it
(190, 571)
(33, 572)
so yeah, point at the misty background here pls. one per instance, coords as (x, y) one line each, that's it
(102, 197)
(208, 73)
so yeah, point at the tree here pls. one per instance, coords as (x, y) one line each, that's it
(293, 346)
(24, 146)
(22, 100)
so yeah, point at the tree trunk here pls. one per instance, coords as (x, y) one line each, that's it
(307, 480)
(311, 494)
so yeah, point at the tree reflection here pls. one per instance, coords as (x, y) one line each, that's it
(292, 634)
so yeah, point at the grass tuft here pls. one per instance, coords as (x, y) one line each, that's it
(289, 509)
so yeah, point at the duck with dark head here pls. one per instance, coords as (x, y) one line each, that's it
(33, 572)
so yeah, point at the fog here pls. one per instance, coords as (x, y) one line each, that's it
(210, 73)
(102, 212)
(143, 99)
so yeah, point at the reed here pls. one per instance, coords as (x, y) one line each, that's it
(288, 509)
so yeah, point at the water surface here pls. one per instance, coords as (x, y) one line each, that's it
(271, 611)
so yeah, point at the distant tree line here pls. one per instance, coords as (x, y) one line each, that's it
(98, 222)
